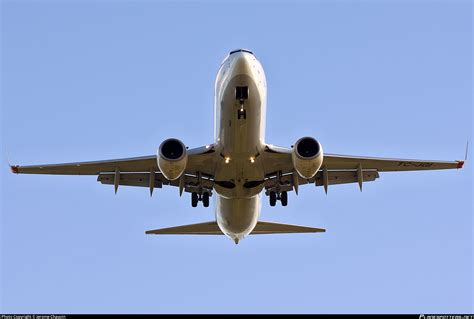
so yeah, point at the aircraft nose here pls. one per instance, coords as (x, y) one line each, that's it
(241, 64)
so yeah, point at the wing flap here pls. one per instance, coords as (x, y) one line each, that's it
(334, 178)
(345, 177)
(191, 183)
(132, 179)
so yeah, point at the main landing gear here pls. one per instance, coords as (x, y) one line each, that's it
(195, 198)
(283, 197)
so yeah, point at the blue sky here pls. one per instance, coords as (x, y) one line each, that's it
(96, 80)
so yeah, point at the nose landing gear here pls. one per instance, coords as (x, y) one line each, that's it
(241, 94)
(242, 113)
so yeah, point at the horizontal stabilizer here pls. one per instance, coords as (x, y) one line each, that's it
(275, 228)
(211, 228)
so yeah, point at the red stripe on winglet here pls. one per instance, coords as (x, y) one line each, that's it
(460, 164)
(14, 169)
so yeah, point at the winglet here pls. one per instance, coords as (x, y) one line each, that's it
(461, 163)
(467, 148)
(14, 169)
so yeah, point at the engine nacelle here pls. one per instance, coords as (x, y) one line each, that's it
(172, 158)
(307, 157)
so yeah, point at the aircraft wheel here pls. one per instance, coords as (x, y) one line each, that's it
(273, 198)
(194, 199)
(241, 114)
(284, 198)
(205, 199)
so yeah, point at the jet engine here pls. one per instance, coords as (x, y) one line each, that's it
(172, 158)
(307, 157)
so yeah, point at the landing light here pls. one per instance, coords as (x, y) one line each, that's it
(252, 160)
(227, 160)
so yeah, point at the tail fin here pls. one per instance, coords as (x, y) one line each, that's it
(211, 228)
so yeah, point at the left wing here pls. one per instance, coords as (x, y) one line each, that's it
(334, 161)
(339, 169)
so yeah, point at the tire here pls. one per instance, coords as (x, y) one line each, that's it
(242, 114)
(273, 199)
(205, 199)
(284, 198)
(194, 199)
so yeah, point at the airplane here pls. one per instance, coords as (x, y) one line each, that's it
(239, 165)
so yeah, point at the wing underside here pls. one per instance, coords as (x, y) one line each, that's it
(277, 164)
(133, 164)
(137, 171)
(334, 161)
(199, 160)
(339, 169)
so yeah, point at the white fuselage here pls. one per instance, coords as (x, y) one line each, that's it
(239, 142)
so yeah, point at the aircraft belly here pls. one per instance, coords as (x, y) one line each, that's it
(237, 217)
(239, 170)
(240, 135)
(240, 141)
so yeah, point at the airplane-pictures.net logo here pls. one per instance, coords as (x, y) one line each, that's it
(446, 317)
(33, 317)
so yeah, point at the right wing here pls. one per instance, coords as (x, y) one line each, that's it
(133, 164)
(137, 171)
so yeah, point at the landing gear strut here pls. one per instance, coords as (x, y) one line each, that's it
(241, 94)
(283, 197)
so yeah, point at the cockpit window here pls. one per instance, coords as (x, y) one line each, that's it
(240, 50)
